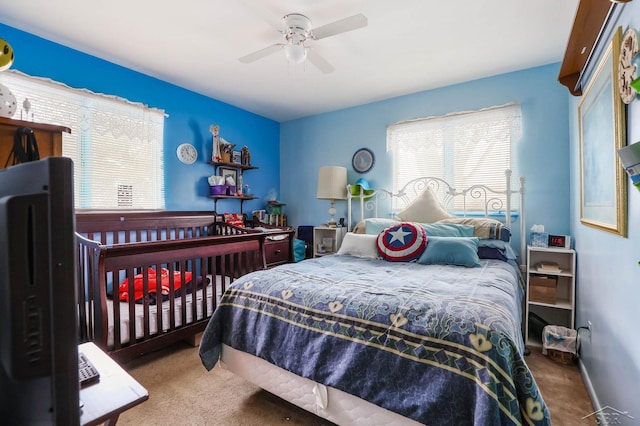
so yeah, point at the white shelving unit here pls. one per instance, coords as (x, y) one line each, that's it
(322, 234)
(562, 312)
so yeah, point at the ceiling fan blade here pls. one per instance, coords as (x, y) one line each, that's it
(342, 26)
(259, 54)
(319, 61)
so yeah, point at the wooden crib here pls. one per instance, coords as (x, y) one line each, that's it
(149, 279)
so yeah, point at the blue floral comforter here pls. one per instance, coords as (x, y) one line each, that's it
(436, 343)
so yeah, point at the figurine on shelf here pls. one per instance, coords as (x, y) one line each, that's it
(215, 130)
(226, 149)
(246, 156)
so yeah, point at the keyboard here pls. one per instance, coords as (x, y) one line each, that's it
(87, 373)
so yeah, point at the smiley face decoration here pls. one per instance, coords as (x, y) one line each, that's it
(6, 55)
(7, 100)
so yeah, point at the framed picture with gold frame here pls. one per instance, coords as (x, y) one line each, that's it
(601, 121)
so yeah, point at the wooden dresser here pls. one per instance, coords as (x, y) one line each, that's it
(278, 244)
(278, 247)
(48, 137)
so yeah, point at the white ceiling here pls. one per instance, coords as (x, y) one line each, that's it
(408, 45)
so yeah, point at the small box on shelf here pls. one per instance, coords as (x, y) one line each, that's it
(218, 189)
(543, 289)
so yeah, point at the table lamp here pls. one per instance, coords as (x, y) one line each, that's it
(332, 185)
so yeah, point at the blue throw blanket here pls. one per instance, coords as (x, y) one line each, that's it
(436, 343)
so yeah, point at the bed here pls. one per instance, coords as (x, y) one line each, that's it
(372, 335)
(149, 279)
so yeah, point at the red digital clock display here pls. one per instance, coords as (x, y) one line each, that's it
(557, 240)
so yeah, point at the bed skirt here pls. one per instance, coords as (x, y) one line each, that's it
(324, 401)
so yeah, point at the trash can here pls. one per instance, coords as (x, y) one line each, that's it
(560, 343)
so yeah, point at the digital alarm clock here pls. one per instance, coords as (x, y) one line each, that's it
(563, 241)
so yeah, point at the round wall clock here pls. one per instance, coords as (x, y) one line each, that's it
(627, 72)
(363, 160)
(187, 153)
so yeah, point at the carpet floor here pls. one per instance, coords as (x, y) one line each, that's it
(182, 392)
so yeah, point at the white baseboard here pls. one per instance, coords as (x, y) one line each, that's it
(590, 390)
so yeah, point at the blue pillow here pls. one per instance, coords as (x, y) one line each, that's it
(491, 253)
(484, 228)
(504, 247)
(461, 251)
(375, 226)
(448, 230)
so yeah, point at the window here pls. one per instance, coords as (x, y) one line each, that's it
(116, 145)
(464, 149)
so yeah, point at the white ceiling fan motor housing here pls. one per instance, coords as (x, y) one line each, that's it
(298, 27)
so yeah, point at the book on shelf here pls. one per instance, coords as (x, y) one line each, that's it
(548, 267)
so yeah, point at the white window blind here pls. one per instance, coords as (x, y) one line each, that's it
(464, 149)
(116, 145)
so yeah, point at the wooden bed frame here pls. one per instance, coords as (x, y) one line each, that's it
(115, 245)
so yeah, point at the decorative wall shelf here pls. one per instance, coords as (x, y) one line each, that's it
(591, 17)
(241, 168)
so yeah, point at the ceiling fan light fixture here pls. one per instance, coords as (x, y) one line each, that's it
(295, 53)
(297, 29)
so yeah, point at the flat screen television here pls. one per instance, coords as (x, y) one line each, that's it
(38, 321)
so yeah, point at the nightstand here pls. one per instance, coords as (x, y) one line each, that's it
(278, 243)
(327, 240)
(551, 288)
(278, 247)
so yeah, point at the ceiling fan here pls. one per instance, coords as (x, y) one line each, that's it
(296, 29)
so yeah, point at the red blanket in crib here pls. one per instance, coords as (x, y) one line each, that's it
(155, 285)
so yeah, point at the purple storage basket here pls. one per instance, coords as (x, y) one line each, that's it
(218, 189)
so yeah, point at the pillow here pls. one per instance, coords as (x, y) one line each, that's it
(448, 230)
(485, 228)
(460, 251)
(504, 247)
(491, 253)
(360, 228)
(359, 245)
(376, 225)
(426, 209)
(402, 242)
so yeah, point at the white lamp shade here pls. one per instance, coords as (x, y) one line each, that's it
(295, 53)
(332, 183)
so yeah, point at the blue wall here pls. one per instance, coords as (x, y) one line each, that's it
(608, 291)
(332, 138)
(190, 116)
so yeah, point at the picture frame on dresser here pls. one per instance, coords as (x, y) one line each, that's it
(603, 185)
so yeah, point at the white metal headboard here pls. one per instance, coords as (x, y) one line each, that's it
(489, 197)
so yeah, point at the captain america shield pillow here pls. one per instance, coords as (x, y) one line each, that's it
(403, 242)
